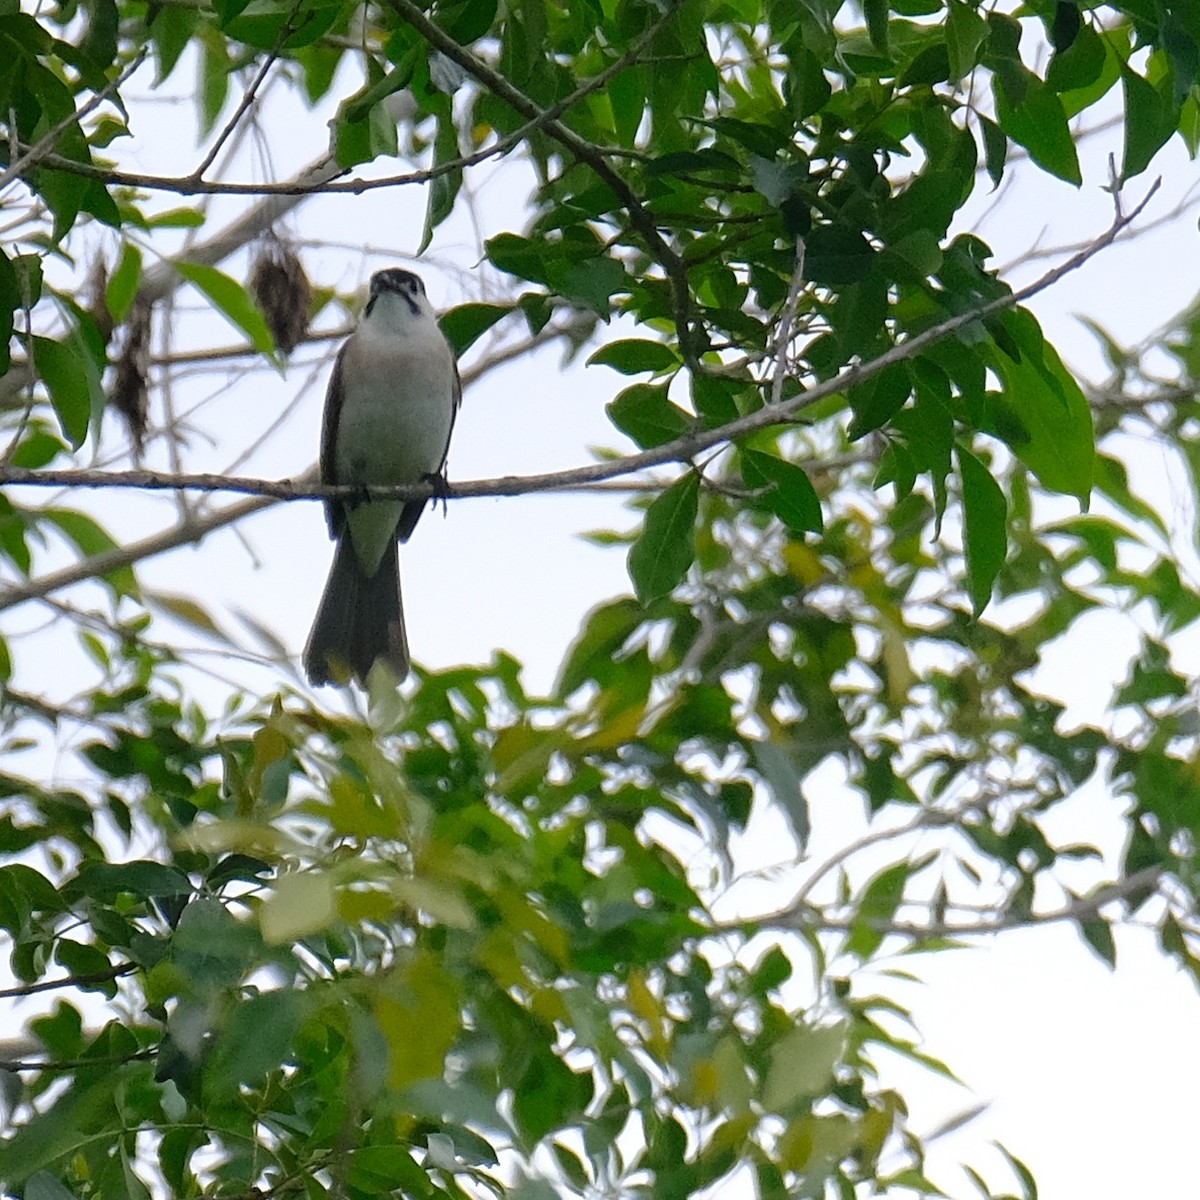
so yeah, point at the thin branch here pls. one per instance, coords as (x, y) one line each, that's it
(309, 182)
(580, 149)
(48, 985)
(806, 916)
(681, 450)
(195, 530)
(43, 148)
(249, 96)
(786, 321)
(78, 1064)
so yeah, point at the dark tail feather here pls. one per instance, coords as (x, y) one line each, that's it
(360, 621)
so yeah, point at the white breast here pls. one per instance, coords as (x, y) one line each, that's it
(398, 398)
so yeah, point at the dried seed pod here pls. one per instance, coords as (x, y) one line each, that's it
(280, 286)
(129, 393)
(96, 291)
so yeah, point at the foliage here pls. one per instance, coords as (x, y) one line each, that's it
(472, 945)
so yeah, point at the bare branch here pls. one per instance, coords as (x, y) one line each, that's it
(809, 917)
(44, 147)
(580, 149)
(48, 985)
(195, 529)
(680, 450)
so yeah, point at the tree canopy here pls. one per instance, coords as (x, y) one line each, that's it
(468, 940)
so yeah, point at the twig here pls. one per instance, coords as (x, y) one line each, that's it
(784, 335)
(48, 985)
(195, 530)
(43, 147)
(682, 449)
(248, 96)
(78, 1064)
(806, 916)
(581, 150)
(302, 185)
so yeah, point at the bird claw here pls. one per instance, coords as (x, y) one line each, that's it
(441, 488)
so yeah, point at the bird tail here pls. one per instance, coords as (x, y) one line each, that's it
(360, 621)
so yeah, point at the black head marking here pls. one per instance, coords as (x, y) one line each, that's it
(399, 282)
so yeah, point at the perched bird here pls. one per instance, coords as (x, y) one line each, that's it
(391, 404)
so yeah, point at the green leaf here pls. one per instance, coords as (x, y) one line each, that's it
(467, 323)
(232, 301)
(880, 899)
(255, 1040)
(1098, 934)
(1066, 25)
(995, 149)
(985, 527)
(802, 1065)
(789, 492)
(632, 356)
(778, 771)
(876, 12)
(627, 98)
(1080, 66)
(606, 630)
(467, 20)
(63, 368)
(666, 546)
(381, 1170)
(836, 255)
(299, 904)
(594, 283)
(776, 182)
(125, 281)
(90, 539)
(443, 189)
(215, 71)
(1148, 122)
(176, 218)
(966, 32)
(1049, 423)
(1039, 124)
(43, 1186)
(878, 400)
(647, 416)
(10, 300)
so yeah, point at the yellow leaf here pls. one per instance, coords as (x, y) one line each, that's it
(445, 905)
(298, 905)
(802, 1065)
(420, 1019)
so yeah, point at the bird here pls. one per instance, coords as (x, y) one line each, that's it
(389, 411)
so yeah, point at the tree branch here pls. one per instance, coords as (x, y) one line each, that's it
(807, 917)
(581, 150)
(42, 150)
(679, 450)
(48, 985)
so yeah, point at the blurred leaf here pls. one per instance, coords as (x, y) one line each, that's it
(1149, 122)
(63, 368)
(1039, 123)
(124, 283)
(298, 905)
